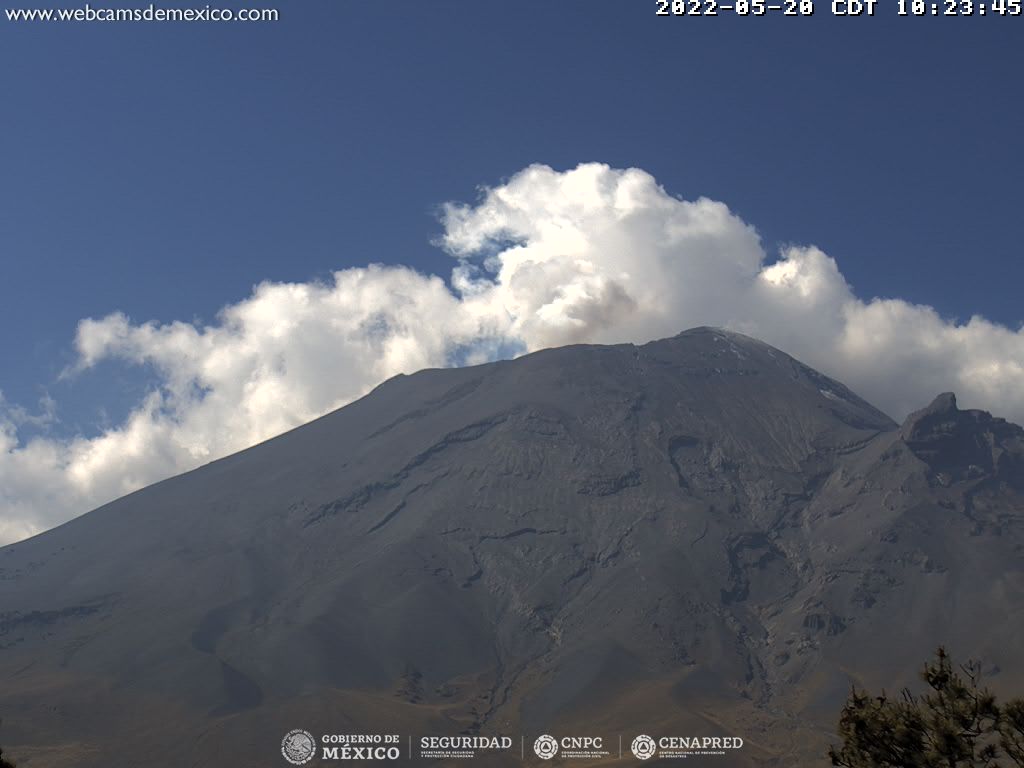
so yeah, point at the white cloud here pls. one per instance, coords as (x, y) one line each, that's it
(547, 258)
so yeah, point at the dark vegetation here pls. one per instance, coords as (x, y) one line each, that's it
(955, 724)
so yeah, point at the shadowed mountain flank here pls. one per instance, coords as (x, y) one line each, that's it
(696, 535)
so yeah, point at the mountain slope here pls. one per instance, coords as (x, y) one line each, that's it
(697, 535)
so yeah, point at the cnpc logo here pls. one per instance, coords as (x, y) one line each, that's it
(546, 746)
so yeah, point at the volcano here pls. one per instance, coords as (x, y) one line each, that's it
(699, 536)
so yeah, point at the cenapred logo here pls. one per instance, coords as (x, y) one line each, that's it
(546, 747)
(298, 746)
(643, 747)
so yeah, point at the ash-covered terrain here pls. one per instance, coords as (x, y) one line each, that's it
(695, 536)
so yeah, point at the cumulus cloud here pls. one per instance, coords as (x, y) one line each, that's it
(592, 254)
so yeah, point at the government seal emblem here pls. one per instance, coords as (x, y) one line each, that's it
(298, 746)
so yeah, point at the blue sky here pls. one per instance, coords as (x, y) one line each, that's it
(164, 170)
